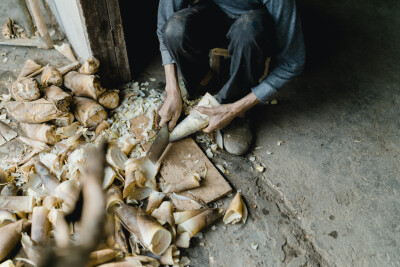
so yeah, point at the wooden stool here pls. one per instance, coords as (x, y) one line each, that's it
(217, 53)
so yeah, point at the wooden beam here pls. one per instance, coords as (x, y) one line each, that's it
(40, 24)
(106, 39)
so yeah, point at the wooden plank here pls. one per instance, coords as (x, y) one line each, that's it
(186, 158)
(105, 35)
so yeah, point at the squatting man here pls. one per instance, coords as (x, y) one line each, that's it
(252, 30)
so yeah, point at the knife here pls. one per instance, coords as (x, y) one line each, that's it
(159, 144)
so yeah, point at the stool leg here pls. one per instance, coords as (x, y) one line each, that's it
(215, 64)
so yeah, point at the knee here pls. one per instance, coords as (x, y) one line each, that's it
(174, 30)
(252, 27)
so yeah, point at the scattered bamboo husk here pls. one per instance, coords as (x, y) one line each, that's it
(10, 235)
(195, 121)
(109, 177)
(67, 68)
(29, 68)
(50, 182)
(90, 66)
(154, 201)
(51, 76)
(17, 203)
(40, 226)
(7, 29)
(109, 99)
(127, 144)
(68, 192)
(152, 235)
(236, 212)
(164, 214)
(83, 85)
(7, 263)
(64, 120)
(88, 112)
(50, 202)
(69, 130)
(170, 256)
(133, 177)
(9, 190)
(101, 256)
(185, 183)
(184, 203)
(183, 216)
(32, 250)
(66, 50)
(116, 158)
(114, 198)
(104, 125)
(37, 111)
(41, 132)
(120, 237)
(25, 90)
(7, 132)
(61, 233)
(61, 98)
(200, 221)
(7, 217)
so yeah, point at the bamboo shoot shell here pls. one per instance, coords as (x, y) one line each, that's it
(88, 112)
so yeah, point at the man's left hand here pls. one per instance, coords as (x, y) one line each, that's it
(220, 116)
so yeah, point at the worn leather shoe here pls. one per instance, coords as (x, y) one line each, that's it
(238, 136)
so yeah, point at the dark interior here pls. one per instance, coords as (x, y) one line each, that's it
(140, 24)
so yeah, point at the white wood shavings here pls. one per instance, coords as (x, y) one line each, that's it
(269, 153)
(221, 168)
(254, 246)
(258, 147)
(252, 158)
(185, 261)
(280, 143)
(213, 227)
(5, 60)
(152, 79)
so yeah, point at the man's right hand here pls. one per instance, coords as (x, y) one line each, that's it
(172, 107)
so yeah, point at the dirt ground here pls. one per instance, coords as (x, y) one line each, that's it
(330, 193)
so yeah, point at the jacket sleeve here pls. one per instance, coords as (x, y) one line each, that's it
(166, 9)
(290, 57)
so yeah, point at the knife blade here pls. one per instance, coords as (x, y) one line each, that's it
(159, 144)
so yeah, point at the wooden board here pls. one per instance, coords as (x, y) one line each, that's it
(185, 158)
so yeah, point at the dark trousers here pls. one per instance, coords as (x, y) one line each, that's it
(190, 34)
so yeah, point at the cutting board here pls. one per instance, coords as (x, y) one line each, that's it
(186, 158)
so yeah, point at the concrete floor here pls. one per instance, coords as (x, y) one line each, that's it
(330, 192)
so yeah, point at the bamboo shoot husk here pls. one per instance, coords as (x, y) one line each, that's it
(69, 130)
(133, 177)
(185, 183)
(68, 191)
(7, 217)
(66, 50)
(32, 250)
(61, 98)
(83, 85)
(164, 214)
(198, 222)
(50, 202)
(37, 111)
(154, 201)
(104, 125)
(116, 158)
(17, 203)
(120, 237)
(67, 68)
(40, 226)
(65, 120)
(183, 240)
(25, 90)
(236, 212)
(170, 256)
(152, 235)
(183, 216)
(195, 121)
(145, 260)
(51, 76)
(109, 177)
(10, 235)
(7, 133)
(41, 132)
(88, 112)
(7, 263)
(29, 68)
(109, 99)
(3, 178)
(9, 190)
(90, 66)
(50, 182)
(101, 256)
(114, 198)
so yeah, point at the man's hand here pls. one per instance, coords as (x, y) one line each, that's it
(172, 107)
(221, 116)
(171, 110)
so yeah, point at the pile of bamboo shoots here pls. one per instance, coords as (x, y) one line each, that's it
(86, 194)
